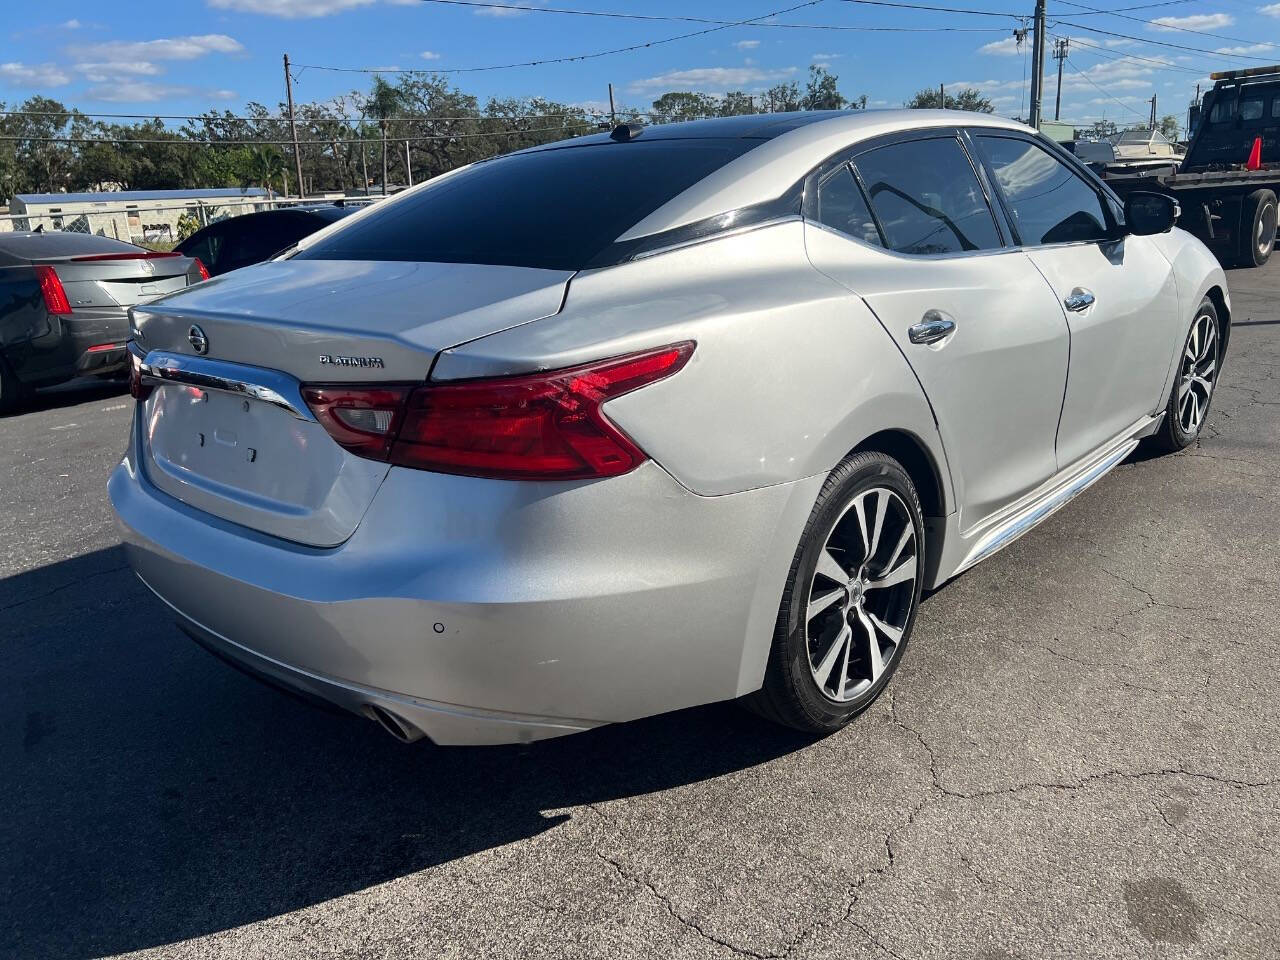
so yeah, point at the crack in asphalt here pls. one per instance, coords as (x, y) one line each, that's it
(65, 586)
(680, 918)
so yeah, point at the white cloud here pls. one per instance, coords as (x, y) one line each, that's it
(111, 71)
(501, 11)
(1244, 51)
(136, 92)
(1008, 47)
(1270, 10)
(72, 25)
(33, 74)
(712, 79)
(825, 57)
(1196, 21)
(747, 44)
(429, 55)
(167, 48)
(289, 9)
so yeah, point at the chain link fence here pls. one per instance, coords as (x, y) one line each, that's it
(157, 226)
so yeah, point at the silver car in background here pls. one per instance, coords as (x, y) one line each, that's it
(654, 418)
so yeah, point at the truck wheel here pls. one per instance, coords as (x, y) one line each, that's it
(1259, 214)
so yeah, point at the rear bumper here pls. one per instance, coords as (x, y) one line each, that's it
(488, 611)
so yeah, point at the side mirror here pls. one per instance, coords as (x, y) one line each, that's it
(1147, 213)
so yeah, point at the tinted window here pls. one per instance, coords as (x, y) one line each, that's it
(1251, 109)
(1275, 107)
(255, 239)
(927, 197)
(1049, 202)
(842, 207)
(1223, 109)
(554, 208)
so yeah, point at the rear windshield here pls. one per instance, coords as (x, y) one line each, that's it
(557, 209)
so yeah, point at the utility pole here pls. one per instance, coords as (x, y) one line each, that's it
(1060, 54)
(1037, 65)
(293, 125)
(408, 164)
(942, 96)
(1153, 112)
(613, 113)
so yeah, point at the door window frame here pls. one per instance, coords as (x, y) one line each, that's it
(847, 157)
(1109, 202)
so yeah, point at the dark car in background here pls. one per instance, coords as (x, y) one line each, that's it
(235, 242)
(64, 299)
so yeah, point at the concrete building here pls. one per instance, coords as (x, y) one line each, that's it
(137, 216)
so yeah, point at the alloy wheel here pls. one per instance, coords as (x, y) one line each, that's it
(1198, 374)
(862, 594)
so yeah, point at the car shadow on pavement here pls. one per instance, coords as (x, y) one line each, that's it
(154, 795)
(71, 393)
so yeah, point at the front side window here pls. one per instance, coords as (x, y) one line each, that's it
(927, 197)
(1048, 201)
(842, 207)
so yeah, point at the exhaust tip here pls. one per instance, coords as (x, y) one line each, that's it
(402, 730)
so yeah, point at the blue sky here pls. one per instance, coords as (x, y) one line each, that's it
(136, 57)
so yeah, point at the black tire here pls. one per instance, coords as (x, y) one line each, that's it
(12, 392)
(1257, 228)
(792, 694)
(1176, 432)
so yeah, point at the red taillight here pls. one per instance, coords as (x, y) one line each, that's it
(361, 419)
(543, 426)
(204, 271)
(137, 389)
(55, 298)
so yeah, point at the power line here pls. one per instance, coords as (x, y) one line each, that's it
(1099, 51)
(1163, 26)
(182, 141)
(577, 57)
(1112, 96)
(1163, 43)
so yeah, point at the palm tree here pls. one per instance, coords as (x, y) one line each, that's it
(265, 164)
(383, 103)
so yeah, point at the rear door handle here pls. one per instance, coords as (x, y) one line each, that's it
(933, 326)
(1080, 299)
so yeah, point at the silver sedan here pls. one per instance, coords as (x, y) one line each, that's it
(654, 418)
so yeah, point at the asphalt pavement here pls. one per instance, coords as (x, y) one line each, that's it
(1078, 757)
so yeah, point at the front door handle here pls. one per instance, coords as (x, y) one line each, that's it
(1080, 299)
(933, 326)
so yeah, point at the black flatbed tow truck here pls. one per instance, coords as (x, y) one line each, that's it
(1226, 202)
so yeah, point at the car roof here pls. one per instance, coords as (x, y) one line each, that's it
(795, 143)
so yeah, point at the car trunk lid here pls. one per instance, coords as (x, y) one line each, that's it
(96, 281)
(226, 351)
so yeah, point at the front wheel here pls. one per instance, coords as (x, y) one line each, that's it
(1194, 385)
(850, 598)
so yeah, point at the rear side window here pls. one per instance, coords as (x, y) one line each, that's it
(1251, 108)
(841, 206)
(927, 197)
(1048, 201)
(557, 209)
(1223, 109)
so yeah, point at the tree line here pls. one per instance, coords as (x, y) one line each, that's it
(389, 134)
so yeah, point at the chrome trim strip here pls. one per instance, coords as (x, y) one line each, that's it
(1051, 502)
(270, 386)
(716, 235)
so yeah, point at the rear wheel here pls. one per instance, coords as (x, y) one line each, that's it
(1258, 233)
(1194, 385)
(850, 599)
